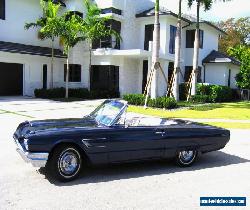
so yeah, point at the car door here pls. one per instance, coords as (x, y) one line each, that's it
(135, 143)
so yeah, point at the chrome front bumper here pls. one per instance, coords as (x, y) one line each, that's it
(36, 159)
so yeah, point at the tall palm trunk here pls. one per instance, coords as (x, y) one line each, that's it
(155, 55)
(90, 62)
(67, 79)
(196, 51)
(156, 36)
(177, 61)
(52, 62)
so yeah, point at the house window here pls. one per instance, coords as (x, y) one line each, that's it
(188, 71)
(172, 39)
(229, 78)
(109, 41)
(74, 72)
(2, 9)
(149, 31)
(190, 37)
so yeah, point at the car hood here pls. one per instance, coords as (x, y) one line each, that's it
(31, 127)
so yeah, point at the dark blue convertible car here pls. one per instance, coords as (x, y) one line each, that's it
(107, 136)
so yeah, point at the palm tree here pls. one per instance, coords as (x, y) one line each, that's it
(155, 52)
(71, 32)
(95, 26)
(177, 54)
(50, 17)
(207, 5)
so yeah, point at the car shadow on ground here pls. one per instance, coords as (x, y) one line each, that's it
(149, 168)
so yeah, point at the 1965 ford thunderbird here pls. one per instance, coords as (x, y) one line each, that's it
(106, 136)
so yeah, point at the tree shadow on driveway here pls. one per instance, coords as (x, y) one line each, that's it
(144, 169)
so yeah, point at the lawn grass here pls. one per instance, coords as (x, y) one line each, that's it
(233, 111)
(229, 125)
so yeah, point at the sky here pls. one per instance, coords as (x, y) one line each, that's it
(219, 11)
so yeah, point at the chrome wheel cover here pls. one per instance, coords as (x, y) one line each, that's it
(187, 156)
(69, 162)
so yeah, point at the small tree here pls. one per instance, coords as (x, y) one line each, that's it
(95, 26)
(242, 53)
(71, 32)
(238, 33)
(48, 27)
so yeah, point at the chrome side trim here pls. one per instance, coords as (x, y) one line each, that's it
(36, 159)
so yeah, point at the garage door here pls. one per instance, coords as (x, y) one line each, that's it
(11, 79)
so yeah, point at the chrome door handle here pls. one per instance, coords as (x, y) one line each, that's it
(160, 132)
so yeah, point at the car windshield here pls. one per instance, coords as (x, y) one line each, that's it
(107, 112)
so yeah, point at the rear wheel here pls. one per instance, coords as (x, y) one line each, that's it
(186, 158)
(65, 163)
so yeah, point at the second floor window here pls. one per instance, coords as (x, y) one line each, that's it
(172, 39)
(190, 37)
(149, 31)
(74, 72)
(2, 9)
(109, 41)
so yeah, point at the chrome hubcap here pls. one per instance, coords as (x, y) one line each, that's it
(187, 155)
(68, 163)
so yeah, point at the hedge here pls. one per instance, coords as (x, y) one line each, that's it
(208, 93)
(82, 93)
(159, 102)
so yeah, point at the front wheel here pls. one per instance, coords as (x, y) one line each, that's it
(65, 163)
(186, 158)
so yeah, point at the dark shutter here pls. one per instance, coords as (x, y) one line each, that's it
(170, 71)
(199, 75)
(149, 31)
(2, 9)
(190, 37)
(201, 38)
(188, 71)
(144, 75)
(172, 39)
(45, 76)
(229, 78)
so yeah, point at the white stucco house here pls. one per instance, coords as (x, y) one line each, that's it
(121, 66)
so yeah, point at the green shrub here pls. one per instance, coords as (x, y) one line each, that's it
(210, 93)
(134, 99)
(82, 93)
(221, 93)
(159, 102)
(200, 99)
(50, 93)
